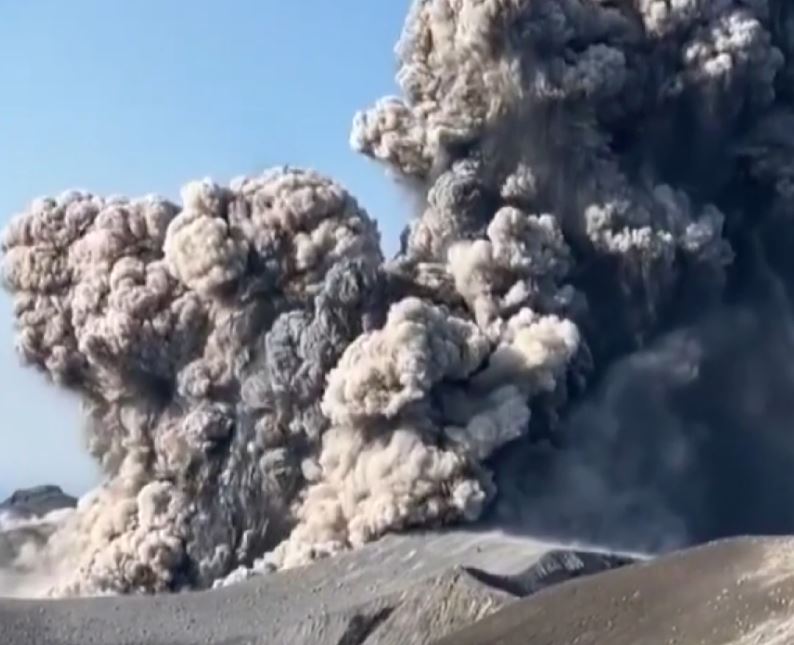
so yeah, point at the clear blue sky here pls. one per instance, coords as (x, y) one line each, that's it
(141, 96)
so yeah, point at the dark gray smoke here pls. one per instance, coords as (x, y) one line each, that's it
(589, 321)
(658, 135)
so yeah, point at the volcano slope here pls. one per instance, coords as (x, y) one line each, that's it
(416, 590)
(737, 591)
(400, 590)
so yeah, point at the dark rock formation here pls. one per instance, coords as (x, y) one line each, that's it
(553, 568)
(37, 501)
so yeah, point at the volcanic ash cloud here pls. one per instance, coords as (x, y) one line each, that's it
(263, 388)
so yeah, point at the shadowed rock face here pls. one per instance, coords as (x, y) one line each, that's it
(734, 592)
(37, 501)
(553, 568)
(403, 590)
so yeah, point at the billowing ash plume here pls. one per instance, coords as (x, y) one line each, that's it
(199, 337)
(263, 387)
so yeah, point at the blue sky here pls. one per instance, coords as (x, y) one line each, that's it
(139, 97)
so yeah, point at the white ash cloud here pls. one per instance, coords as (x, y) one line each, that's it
(264, 389)
(199, 337)
(412, 423)
(26, 566)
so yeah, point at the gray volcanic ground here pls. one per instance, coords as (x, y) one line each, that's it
(585, 335)
(734, 592)
(400, 590)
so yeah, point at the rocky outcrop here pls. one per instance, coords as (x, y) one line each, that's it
(553, 568)
(36, 501)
